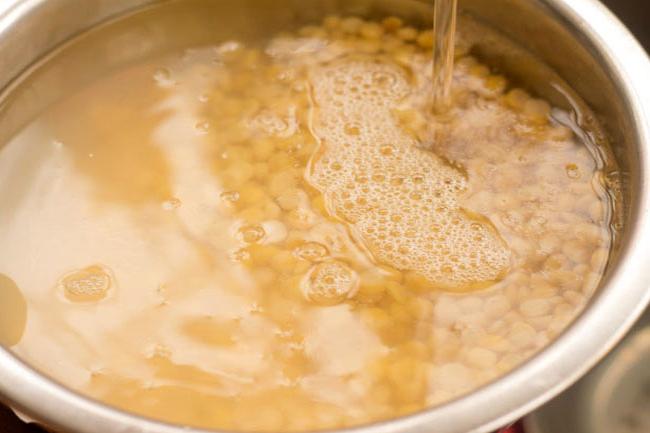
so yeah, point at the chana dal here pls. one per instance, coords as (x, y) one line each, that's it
(281, 236)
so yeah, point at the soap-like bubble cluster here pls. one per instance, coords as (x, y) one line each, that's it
(251, 233)
(402, 200)
(268, 122)
(330, 283)
(311, 251)
(89, 284)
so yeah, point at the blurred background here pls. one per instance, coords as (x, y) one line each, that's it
(634, 13)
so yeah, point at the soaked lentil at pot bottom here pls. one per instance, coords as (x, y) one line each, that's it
(282, 236)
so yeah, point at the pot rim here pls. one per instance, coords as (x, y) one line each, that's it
(609, 316)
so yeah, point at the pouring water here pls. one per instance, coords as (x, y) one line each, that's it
(444, 29)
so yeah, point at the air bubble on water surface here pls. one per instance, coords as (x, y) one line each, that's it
(311, 251)
(90, 284)
(330, 283)
(252, 234)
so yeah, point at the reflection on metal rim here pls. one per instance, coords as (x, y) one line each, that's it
(614, 397)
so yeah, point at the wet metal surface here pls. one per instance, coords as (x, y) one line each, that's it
(613, 397)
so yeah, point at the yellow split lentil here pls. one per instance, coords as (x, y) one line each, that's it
(241, 275)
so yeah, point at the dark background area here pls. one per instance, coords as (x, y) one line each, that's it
(634, 13)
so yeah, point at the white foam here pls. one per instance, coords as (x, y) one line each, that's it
(400, 199)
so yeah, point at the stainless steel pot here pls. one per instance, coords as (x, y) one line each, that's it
(584, 43)
(613, 397)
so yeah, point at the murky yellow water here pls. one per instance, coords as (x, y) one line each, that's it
(282, 237)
